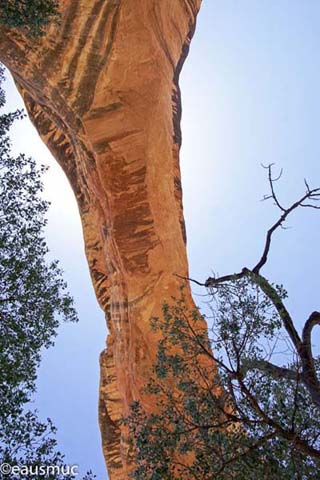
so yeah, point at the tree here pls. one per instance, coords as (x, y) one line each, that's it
(251, 417)
(32, 16)
(33, 301)
(33, 295)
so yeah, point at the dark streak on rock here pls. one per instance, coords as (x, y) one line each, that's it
(49, 60)
(100, 112)
(82, 41)
(110, 428)
(93, 69)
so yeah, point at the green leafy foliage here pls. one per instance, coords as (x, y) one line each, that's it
(33, 302)
(32, 16)
(225, 415)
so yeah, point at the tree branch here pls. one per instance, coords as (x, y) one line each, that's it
(268, 367)
(273, 295)
(214, 281)
(310, 194)
(259, 443)
(312, 321)
(303, 347)
(190, 280)
(309, 373)
(299, 442)
(269, 291)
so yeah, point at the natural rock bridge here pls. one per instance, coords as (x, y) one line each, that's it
(102, 90)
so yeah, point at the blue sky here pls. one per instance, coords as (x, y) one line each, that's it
(250, 96)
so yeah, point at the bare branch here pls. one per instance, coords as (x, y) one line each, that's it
(211, 282)
(306, 184)
(271, 183)
(311, 194)
(309, 205)
(189, 280)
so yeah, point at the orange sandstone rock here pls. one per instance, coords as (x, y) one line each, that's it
(102, 90)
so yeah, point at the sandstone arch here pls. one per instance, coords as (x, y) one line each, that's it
(102, 90)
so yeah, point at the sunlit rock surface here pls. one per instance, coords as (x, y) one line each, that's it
(102, 90)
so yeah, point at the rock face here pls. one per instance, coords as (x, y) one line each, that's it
(102, 90)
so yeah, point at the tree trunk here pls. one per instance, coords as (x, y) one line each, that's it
(102, 90)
